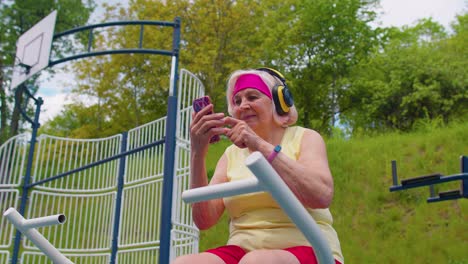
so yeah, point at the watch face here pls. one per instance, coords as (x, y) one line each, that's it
(277, 148)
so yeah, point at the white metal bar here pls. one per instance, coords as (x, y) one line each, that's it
(32, 234)
(172, 78)
(290, 204)
(221, 190)
(44, 221)
(269, 180)
(8, 198)
(4, 256)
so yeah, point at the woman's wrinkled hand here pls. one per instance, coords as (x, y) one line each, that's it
(241, 134)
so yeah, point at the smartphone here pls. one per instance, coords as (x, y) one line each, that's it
(199, 104)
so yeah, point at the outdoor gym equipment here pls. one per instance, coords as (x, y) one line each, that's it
(436, 178)
(33, 54)
(268, 180)
(28, 228)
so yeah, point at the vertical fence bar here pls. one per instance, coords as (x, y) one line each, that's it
(27, 178)
(90, 40)
(140, 43)
(169, 155)
(464, 182)
(118, 202)
(394, 173)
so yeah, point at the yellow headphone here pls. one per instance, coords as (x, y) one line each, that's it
(282, 96)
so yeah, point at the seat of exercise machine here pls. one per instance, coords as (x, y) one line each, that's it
(421, 179)
(450, 194)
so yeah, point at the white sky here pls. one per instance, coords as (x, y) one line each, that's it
(406, 12)
(393, 13)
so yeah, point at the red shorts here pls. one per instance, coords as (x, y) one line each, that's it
(232, 254)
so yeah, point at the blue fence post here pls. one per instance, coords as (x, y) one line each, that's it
(27, 177)
(464, 169)
(169, 154)
(118, 202)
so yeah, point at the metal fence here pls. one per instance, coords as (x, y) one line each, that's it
(110, 190)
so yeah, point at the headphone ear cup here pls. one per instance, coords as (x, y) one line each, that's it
(288, 97)
(282, 98)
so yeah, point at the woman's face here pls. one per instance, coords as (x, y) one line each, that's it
(252, 106)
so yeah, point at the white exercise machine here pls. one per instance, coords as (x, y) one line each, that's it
(268, 180)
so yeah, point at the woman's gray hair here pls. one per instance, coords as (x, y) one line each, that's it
(270, 81)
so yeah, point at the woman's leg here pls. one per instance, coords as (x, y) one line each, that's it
(229, 254)
(270, 256)
(203, 257)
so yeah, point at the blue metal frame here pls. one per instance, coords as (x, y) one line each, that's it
(122, 156)
(27, 177)
(93, 164)
(90, 53)
(464, 169)
(462, 177)
(169, 154)
(118, 202)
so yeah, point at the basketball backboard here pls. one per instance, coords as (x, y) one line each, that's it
(33, 50)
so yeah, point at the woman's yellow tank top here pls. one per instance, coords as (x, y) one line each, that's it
(257, 221)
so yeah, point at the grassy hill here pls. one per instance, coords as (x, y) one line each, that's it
(378, 226)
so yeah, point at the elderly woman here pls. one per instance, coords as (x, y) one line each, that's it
(261, 114)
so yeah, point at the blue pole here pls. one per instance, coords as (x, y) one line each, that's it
(27, 178)
(464, 169)
(118, 202)
(169, 154)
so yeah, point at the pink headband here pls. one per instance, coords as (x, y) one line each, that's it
(251, 81)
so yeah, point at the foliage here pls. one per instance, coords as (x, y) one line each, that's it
(332, 36)
(76, 121)
(17, 17)
(337, 65)
(219, 37)
(130, 90)
(420, 74)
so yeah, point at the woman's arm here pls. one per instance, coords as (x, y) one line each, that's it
(309, 177)
(205, 125)
(207, 213)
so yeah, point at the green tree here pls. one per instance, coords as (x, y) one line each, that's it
(16, 18)
(127, 89)
(329, 38)
(322, 39)
(335, 62)
(420, 74)
(217, 38)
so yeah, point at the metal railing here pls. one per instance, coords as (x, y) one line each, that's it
(110, 190)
